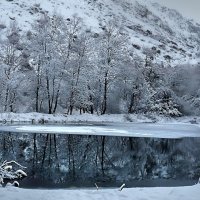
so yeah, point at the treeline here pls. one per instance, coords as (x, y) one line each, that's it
(62, 66)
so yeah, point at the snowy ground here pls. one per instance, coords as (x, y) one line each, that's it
(62, 118)
(162, 193)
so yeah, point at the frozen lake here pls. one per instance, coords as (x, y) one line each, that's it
(81, 154)
(148, 130)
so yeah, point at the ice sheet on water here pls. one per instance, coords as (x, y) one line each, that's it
(114, 129)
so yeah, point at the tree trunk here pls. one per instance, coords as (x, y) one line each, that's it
(45, 148)
(130, 109)
(6, 100)
(48, 95)
(104, 104)
(35, 156)
(37, 101)
(102, 154)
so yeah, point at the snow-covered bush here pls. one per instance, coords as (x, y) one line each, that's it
(163, 103)
(8, 171)
(166, 109)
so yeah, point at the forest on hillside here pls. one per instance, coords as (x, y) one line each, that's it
(60, 66)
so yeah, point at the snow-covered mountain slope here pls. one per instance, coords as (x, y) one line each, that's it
(175, 38)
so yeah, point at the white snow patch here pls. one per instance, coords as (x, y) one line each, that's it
(70, 129)
(164, 193)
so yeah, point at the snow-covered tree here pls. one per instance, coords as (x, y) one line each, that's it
(112, 50)
(11, 60)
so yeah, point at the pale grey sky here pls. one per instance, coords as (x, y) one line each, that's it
(189, 8)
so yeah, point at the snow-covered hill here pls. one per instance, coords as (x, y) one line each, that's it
(175, 38)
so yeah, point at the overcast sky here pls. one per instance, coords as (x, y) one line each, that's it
(189, 8)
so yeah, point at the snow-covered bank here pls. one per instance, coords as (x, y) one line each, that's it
(36, 118)
(162, 193)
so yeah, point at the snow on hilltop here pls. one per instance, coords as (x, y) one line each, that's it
(148, 24)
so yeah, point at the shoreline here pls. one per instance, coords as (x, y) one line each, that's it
(41, 118)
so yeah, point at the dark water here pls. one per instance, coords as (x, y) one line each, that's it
(32, 183)
(65, 161)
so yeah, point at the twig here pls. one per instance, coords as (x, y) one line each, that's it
(11, 162)
(96, 186)
(122, 187)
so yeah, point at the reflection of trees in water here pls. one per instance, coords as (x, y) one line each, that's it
(74, 157)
